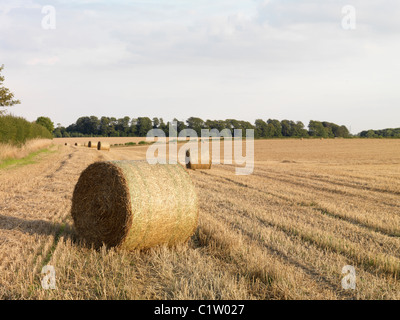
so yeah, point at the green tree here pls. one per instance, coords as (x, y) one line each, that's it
(87, 125)
(342, 132)
(330, 129)
(271, 131)
(6, 97)
(244, 125)
(299, 130)
(144, 125)
(261, 128)
(277, 127)
(156, 123)
(133, 128)
(57, 133)
(196, 124)
(371, 134)
(317, 129)
(122, 126)
(46, 122)
(215, 124)
(180, 125)
(286, 126)
(232, 124)
(104, 128)
(163, 126)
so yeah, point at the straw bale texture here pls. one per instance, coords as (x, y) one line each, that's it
(198, 165)
(103, 146)
(134, 205)
(92, 144)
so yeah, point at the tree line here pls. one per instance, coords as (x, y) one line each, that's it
(384, 133)
(139, 127)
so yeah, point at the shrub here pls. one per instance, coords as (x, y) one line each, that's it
(17, 130)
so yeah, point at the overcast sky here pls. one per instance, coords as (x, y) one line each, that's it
(215, 59)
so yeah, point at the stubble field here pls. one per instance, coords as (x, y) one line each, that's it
(310, 208)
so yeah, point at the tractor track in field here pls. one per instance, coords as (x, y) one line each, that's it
(34, 207)
(313, 205)
(326, 186)
(366, 230)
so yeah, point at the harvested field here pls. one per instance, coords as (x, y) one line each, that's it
(82, 141)
(310, 208)
(109, 140)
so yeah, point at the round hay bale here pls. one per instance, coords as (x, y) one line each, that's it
(198, 165)
(66, 144)
(92, 145)
(77, 144)
(103, 146)
(134, 205)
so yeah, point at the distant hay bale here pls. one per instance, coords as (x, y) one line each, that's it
(103, 146)
(134, 205)
(77, 144)
(198, 165)
(92, 145)
(66, 144)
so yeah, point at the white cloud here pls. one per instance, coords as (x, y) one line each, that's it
(49, 61)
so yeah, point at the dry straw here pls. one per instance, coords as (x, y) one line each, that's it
(92, 145)
(134, 205)
(103, 146)
(197, 166)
